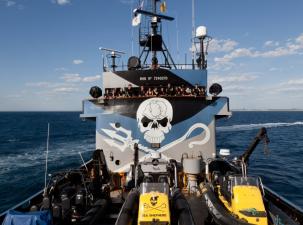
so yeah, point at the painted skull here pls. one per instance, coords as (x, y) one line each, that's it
(154, 118)
(154, 200)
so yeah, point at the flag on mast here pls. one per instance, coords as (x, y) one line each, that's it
(136, 20)
(163, 7)
(137, 16)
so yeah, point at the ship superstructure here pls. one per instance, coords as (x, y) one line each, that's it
(174, 121)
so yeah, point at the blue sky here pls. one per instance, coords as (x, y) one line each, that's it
(49, 55)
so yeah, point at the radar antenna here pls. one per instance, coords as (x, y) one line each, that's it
(150, 35)
(111, 55)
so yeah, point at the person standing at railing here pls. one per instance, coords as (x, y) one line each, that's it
(149, 92)
(117, 93)
(196, 90)
(155, 92)
(142, 91)
(188, 91)
(170, 91)
(129, 91)
(162, 92)
(202, 91)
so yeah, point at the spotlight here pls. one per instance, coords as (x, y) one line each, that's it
(133, 63)
(95, 92)
(215, 89)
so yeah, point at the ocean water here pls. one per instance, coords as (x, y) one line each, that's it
(23, 144)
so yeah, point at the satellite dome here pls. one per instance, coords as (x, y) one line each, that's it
(201, 32)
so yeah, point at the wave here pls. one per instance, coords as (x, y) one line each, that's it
(61, 154)
(243, 127)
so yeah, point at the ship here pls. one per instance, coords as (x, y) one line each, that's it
(156, 160)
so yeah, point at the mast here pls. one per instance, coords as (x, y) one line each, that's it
(150, 36)
(193, 35)
(154, 25)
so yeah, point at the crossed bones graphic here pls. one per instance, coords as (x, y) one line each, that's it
(125, 141)
(159, 208)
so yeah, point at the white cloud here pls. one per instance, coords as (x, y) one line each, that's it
(76, 78)
(299, 39)
(271, 44)
(78, 61)
(53, 88)
(216, 46)
(91, 78)
(232, 79)
(238, 89)
(222, 45)
(63, 2)
(10, 3)
(65, 90)
(71, 77)
(234, 88)
(287, 89)
(295, 82)
(127, 2)
(43, 84)
(280, 51)
(237, 53)
(38, 84)
(14, 96)
(61, 69)
(273, 69)
(235, 84)
(221, 65)
(291, 47)
(290, 87)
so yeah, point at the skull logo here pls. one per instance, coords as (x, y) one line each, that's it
(154, 118)
(154, 200)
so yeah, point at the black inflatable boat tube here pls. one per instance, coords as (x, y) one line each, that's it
(129, 210)
(219, 213)
(181, 209)
(96, 213)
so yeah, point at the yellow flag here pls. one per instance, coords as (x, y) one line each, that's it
(163, 7)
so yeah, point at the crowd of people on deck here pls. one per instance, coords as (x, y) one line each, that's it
(143, 91)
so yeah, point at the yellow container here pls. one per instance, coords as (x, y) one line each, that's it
(154, 206)
(247, 203)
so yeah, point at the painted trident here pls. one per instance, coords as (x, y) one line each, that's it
(124, 141)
